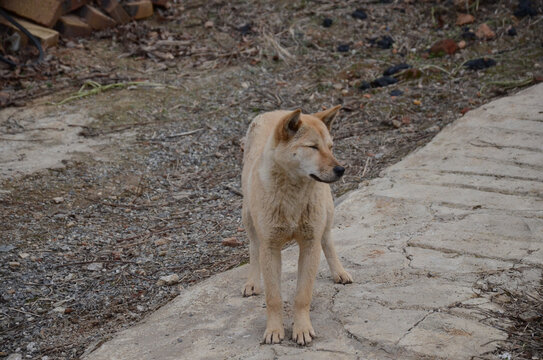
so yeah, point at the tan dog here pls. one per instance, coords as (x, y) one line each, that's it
(288, 164)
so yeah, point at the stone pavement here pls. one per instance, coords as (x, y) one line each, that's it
(429, 244)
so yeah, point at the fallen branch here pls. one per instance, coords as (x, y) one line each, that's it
(96, 88)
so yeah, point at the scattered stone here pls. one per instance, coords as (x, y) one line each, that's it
(485, 32)
(511, 31)
(444, 47)
(96, 266)
(232, 242)
(364, 85)
(462, 44)
(245, 29)
(59, 309)
(15, 356)
(14, 264)
(383, 81)
(179, 340)
(480, 64)
(524, 9)
(396, 93)
(395, 69)
(464, 19)
(396, 123)
(24, 255)
(69, 277)
(384, 42)
(434, 128)
(359, 14)
(140, 308)
(168, 280)
(31, 347)
(58, 200)
(406, 120)
(209, 24)
(343, 48)
(161, 242)
(468, 34)
(417, 102)
(6, 248)
(327, 22)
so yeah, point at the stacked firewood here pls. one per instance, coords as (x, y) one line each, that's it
(45, 19)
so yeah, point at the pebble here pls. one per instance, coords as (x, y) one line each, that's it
(359, 14)
(59, 309)
(343, 48)
(14, 264)
(396, 92)
(511, 31)
(384, 42)
(443, 47)
(168, 280)
(464, 19)
(327, 22)
(160, 242)
(58, 199)
(31, 347)
(434, 128)
(383, 81)
(15, 356)
(485, 32)
(524, 9)
(479, 64)
(209, 24)
(395, 69)
(396, 123)
(231, 242)
(462, 44)
(417, 102)
(24, 255)
(95, 266)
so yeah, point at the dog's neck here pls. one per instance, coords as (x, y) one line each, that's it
(277, 180)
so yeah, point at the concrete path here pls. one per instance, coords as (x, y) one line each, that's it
(429, 244)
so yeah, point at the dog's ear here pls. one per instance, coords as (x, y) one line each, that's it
(289, 125)
(328, 116)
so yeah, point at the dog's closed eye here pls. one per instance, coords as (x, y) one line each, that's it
(313, 147)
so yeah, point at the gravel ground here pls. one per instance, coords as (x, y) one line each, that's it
(83, 247)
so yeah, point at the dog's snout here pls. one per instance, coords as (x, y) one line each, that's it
(339, 170)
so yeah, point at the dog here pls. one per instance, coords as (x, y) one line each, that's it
(287, 166)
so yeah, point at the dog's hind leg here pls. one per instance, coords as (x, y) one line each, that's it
(338, 272)
(252, 286)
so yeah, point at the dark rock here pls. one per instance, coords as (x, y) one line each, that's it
(384, 42)
(245, 29)
(383, 81)
(479, 64)
(343, 48)
(396, 93)
(395, 69)
(511, 31)
(524, 9)
(468, 34)
(364, 85)
(327, 22)
(359, 14)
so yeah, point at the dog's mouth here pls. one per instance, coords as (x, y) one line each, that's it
(315, 177)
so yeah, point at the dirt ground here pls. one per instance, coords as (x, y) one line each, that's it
(103, 195)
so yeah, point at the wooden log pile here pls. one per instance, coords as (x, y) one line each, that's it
(46, 19)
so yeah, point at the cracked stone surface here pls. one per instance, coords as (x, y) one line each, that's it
(463, 213)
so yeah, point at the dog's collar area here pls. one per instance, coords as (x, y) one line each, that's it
(315, 177)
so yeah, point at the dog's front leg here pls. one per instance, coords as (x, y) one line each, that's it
(270, 260)
(308, 263)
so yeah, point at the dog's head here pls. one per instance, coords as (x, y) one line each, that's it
(303, 145)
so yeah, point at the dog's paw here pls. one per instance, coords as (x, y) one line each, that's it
(273, 335)
(250, 289)
(343, 277)
(302, 332)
